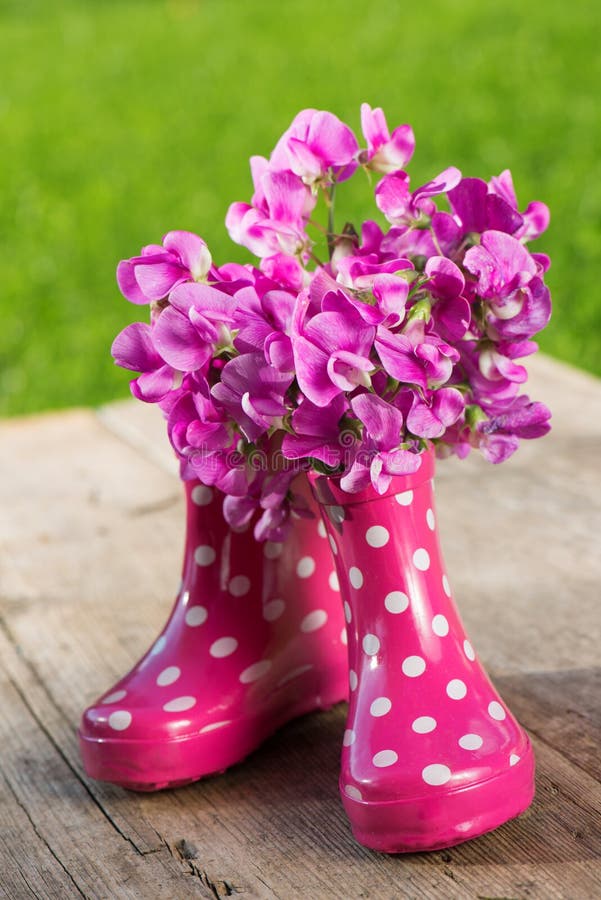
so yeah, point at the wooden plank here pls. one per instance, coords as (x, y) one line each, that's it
(563, 709)
(91, 560)
(55, 815)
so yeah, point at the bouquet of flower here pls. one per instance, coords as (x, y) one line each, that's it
(401, 338)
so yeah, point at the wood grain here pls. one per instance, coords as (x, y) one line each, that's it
(91, 530)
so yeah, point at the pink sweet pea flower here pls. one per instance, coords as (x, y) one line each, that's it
(253, 393)
(416, 357)
(401, 206)
(429, 413)
(385, 153)
(331, 352)
(196, 321)
(535, 218)
(153, 275)
(275, 221)
(134, 349)
(451, 312)
(477, 209)
(501, 265)
(379, 456)
(318, 148)
(317, 432)
(498, 437)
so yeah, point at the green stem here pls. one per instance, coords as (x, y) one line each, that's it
(331, 237)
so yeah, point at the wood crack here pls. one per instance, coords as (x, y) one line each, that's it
(48, 734)
(41, 838)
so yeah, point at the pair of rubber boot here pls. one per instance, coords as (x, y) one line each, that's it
(354, 604)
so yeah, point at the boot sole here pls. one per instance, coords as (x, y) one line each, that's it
(443, 819)
(154, 765)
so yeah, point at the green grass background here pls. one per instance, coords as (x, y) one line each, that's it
(121, 120)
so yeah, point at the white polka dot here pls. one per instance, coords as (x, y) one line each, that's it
(272, 550)
(202, 495)
(513, 759)
(423, 725)
(333, 581)
(353, 680)
(273, 610)
(404, 499)
(305, 567)
(333, 546)
(413, 666)
(120, 720)
(496, 711)
(196, 615)
(456, 689)
(431, 520)
(159, 645)
(314, 620)
(180, 704)
(469, 651)
(440, 626)
(204, 555)
(396, 602)
(436, 774)
(336, 514)
(353, 792)
(421, 559)
(115, 697)
(385, 758)
(239, 585)
(344, 637)
(256, 671)
(294, 673)
(377, 536)
(213, 726)
(371, 644)
(356, 577)
(168, 676)
(224, 646)
(470, 742)
(349, 737)
(347, 612)
(321, 529)
(446, 586)
(380, 707)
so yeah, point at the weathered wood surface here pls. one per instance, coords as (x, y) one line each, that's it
(91, 530)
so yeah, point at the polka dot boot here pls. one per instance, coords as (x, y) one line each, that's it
(256, 637)
(431, 755)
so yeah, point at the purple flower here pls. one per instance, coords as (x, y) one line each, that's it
(134, 349)
(416, 357)
(196, 321)
(385, 152)
(317, 432)
(253, 393)
(275, 221)
(498, 437)
(478, 209)
(331, 351)
(263, 324)
(501, 265)
(153, 275)
(401, 206)
(429, 413)
(535, 219)
(317, 147)
(451, 312)
(379, 456)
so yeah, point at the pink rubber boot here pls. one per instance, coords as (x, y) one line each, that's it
(431, 755)
(256, 638)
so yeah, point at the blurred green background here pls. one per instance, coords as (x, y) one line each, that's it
(121, 120)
